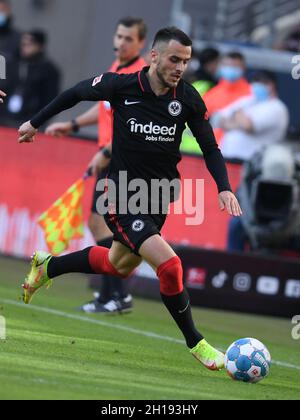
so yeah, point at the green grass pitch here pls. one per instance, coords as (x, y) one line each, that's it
(53, 351)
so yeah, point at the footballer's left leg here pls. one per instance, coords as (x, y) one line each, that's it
(37, 276)
(160, 255)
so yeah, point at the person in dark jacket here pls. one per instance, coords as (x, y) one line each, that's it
(9, 46)
(206, 76)
(36, 80)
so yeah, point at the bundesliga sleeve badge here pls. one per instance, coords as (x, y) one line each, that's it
(97, 80)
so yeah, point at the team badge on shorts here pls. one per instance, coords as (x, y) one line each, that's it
(138, 225)
(175, 108)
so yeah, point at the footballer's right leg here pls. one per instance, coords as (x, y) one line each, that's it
(112, 293)
(123, 259)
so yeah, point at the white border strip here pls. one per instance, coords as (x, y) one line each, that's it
(116, 326)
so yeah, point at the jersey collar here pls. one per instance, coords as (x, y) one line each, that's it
(146, 88)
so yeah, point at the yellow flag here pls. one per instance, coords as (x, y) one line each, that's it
(64, 220)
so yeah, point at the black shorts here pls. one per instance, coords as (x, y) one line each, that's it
(133, 230)
(97, 194)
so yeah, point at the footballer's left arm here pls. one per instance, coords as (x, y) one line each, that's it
(203, 132)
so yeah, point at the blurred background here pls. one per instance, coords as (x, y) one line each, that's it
(245, 65)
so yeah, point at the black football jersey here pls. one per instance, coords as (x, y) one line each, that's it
(147, 129)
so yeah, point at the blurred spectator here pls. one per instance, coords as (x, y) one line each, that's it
(129, 41)
(232, 86)
(255, 121)
(292, 42)
(205, 78)
(192, 68)
(203, 68)
(36, 80)
(9, 45)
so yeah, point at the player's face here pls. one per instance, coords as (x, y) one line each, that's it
(127, 43)
(171, 61)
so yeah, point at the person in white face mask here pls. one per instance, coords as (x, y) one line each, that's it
(254, 122)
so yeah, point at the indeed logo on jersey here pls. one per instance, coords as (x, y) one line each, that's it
(155, 132)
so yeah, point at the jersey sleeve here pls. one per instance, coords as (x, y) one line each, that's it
(99, 88)
(199, 124)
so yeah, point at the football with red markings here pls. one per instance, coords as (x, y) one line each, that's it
(248, 360)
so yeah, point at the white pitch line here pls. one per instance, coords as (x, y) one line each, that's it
(92, 321)
(116, 326)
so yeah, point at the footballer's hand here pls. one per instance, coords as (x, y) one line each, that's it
(2, 95)
(27, 133)
(98, 163)
(229, 202)
(59, 129)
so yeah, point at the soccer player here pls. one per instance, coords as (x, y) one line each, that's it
(129, 40)
(151, 108)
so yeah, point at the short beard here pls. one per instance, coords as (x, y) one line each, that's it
(162, 80)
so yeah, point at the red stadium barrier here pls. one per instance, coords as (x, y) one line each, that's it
(33, 176)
